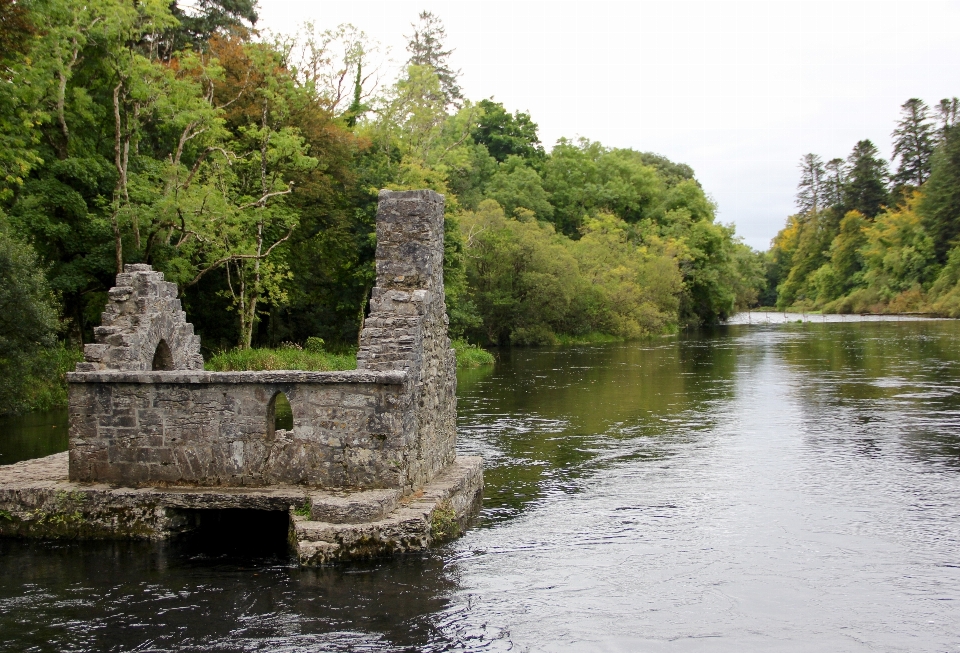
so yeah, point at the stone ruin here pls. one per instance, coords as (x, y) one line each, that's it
(369, 465)
(143, 327)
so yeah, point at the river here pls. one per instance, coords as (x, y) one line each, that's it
(789, 487)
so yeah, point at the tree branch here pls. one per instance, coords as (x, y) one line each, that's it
(239, 257)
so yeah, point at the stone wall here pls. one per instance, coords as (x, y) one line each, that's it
(407, 325)
(215, 429)
(143, 413)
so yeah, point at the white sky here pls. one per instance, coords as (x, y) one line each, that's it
(738, 90)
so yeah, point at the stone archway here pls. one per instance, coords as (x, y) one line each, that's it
(162, 357)
(143, 328)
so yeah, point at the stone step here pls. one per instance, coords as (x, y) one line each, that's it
(352, 507)
(437, 512)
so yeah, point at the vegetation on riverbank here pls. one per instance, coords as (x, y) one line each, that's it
(470, 356)
(870, 241)
(245, 166)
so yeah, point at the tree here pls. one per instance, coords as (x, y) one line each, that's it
(835, 179)
(205, 18)
(16, 29)
(425, 46)
(810, 190)
(337, 67)
(913, 141)
(940, 206)
(506, 135)
(866, 187)
(517, 187)
(28, 316)
(947, 112)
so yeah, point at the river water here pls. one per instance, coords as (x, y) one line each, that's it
(755, 488)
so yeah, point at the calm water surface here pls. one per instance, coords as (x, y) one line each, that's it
(757, 488)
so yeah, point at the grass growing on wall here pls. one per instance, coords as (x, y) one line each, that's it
(313, 358)
(284, 358)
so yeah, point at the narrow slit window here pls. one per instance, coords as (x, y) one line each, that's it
(279, 415)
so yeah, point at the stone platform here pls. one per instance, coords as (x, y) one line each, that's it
(37, 500)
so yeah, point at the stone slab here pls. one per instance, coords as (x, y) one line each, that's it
(38, 501)
(353, 507)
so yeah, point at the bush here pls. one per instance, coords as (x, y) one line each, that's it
(469, 356)
(538, 335)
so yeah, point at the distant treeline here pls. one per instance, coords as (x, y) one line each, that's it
(868, 240)
(246, 165)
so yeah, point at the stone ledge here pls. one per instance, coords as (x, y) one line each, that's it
(37, 501)
(392, 377)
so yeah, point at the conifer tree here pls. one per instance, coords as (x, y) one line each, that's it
(834, 181)
(810, 190)
(947, 112)
(940, 207)
(913, 143)
(866, 186)
(425, 46)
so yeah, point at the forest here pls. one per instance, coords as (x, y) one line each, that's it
(871, 239)
(245, 165)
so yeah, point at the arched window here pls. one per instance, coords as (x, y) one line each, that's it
(279, 415)
(162, 358)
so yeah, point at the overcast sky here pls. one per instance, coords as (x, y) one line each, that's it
(738, 90)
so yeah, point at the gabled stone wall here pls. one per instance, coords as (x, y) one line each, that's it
(143, 327)
(142, 411)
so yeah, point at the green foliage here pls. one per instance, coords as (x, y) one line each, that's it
(940, 206)
(170, 134)
(529, 283)
(32, 362)
(303, 510)
(505, 135)
(877, 258)
(470, 356)
(913, 142)
(314, 345)
(866, 186)
(284, 358)
(443, 522)
(519, 190)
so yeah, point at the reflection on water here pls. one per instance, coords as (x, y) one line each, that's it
(32, 436)
(792, 487)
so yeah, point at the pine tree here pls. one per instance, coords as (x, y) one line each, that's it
(833, 183)
(426, 49)
(913, 141)
(866, 186)
(810, 190)
(940, 206)
(947, 112)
